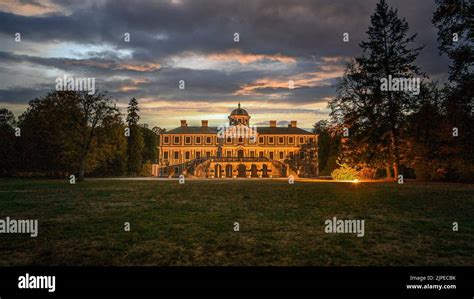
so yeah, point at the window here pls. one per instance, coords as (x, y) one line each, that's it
(229, 154)
(281, 155)
(291, 155)
(260, 154)
(165, 155)
(261, 140)
(198, 155)
(208, 140)
(241, 139)
(271, 155)
(176, 155)
(177, 140)
(280, 140)
(187, 155)
(252, 154)
(229, 140)
(270, 140)
(301, 140)
(290, 140)
(208, 154)
(311, 140)
(198, 140)
(187, 140)
(167, 139)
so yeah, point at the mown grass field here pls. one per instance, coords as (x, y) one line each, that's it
(193, 224)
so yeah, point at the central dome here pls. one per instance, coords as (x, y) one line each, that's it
(239, 111)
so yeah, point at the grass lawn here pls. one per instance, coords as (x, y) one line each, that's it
(193, 224)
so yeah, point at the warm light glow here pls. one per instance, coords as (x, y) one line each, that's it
(355, 181)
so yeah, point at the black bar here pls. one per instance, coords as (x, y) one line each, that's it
(264, 282)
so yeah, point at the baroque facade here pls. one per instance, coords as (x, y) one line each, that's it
(237, 150)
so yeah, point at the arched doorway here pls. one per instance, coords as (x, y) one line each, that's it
(228, 171)
(254, 171)
(240, 153)
(242, 171)
(217, 171)
(265, 171)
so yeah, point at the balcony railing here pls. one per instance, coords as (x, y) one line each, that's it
(216, 159)
(240, 159)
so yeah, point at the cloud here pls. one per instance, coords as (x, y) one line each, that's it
(242, 58)
(280, 40)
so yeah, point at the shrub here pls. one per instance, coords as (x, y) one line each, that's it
(345, 173)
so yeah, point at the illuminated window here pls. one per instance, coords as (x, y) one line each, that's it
(187, 140)
(176, 155)
(187, 155)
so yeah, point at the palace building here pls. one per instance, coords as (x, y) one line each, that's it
(237, 150)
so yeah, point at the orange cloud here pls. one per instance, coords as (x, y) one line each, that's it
(134, 85)
(149, 67)
(309, 79)
(237, 55)
(28, 9)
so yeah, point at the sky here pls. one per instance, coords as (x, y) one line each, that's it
(193, 40)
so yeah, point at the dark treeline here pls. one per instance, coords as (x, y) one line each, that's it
(378, 133)
(67, 132)
(428, 135)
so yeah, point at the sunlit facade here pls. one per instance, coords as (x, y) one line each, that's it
(233, 151)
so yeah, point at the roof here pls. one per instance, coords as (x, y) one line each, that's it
(192, 130)
(260, 130)
(239, 111)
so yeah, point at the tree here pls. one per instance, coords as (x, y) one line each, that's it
(374, 117)
(150, 145)
(47, 145)
(135, 143)
(110, 148)
(7, 137)
(454, 20)
(94, 110)
(68, 132)
(329, 146)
